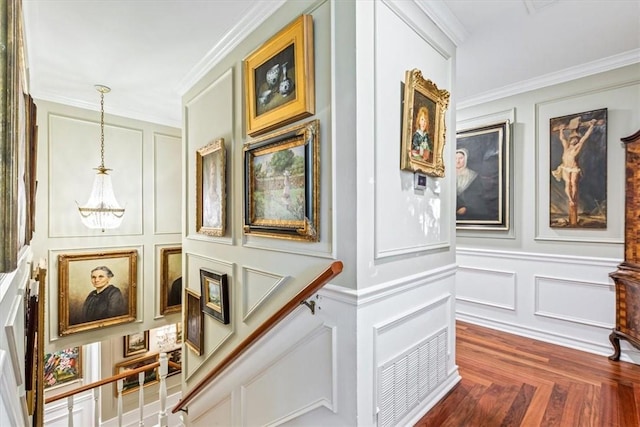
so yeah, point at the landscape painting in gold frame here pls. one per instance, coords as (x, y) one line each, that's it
(282, 183)
(136, 343)
(423, 125)
(132, 382)
(279, 78)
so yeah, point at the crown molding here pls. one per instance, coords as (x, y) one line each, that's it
(117, 111)
(442, 16)
(599, 66)
(256, 16)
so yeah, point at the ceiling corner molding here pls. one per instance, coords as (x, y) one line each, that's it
(599, 66)
(445, 19)
(91, 106)
(239, 32)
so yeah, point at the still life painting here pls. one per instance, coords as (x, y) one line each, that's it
(62, 366)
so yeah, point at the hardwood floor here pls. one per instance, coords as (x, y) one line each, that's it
(508, 380)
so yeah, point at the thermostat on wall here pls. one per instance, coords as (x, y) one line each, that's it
(419, 181)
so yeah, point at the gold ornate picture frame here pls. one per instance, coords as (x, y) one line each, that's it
(211, 205)
(171, 280)
(279, 78)
(282, 184)
(423, 125)
(82, 302)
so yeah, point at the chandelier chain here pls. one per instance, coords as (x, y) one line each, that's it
(102, 130)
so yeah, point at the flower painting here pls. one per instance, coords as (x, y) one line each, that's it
(62, 366)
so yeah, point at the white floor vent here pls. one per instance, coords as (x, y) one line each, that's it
(404, 381)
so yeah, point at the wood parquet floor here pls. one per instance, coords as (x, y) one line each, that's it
(508, 380)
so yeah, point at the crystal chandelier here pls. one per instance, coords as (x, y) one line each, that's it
(102, 210)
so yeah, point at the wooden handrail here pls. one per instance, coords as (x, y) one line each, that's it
(332, 271)
(102, 382)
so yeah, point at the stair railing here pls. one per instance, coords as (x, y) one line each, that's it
(163, 363)
(300, 298)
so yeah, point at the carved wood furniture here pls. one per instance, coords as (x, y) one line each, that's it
(627, 277)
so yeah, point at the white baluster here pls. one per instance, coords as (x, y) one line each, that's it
(96, 410)
(70, 409)
(120, 385)
(141, 397)
(162, 416)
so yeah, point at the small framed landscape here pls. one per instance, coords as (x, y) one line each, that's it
(96, 290)
(211, 203)
(282, 183)
(482, 177)
(279, 78)
(423, 125)
(137, 343)
(131, 383)
(193, 320)
(215, 295)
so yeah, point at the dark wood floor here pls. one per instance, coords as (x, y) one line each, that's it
(509, 380)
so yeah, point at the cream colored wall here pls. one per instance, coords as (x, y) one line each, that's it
(263, 273)
(146, 175)
(398, 285)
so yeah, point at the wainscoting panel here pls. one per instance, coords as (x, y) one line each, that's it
(492, 288)
(257, 285)
(220, 414)
(565, 300)
(166, 188)
(308, 362)
(573, 301)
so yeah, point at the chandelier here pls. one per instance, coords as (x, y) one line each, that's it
(102, 210)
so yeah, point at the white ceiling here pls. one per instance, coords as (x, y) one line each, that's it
(149, 53)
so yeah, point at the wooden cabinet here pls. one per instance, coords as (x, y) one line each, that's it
(627, 277)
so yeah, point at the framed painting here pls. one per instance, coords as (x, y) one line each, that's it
(578, 175)
(137, 343)
(423, 125)
(96, 290)
(13, 192)
(193, 319)
(171, 280)
(482, 177)
(211, 189)
(282, 184)
(62, 366)
(279, 78)
(214, 289)
(131, 383)
(174, 356)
